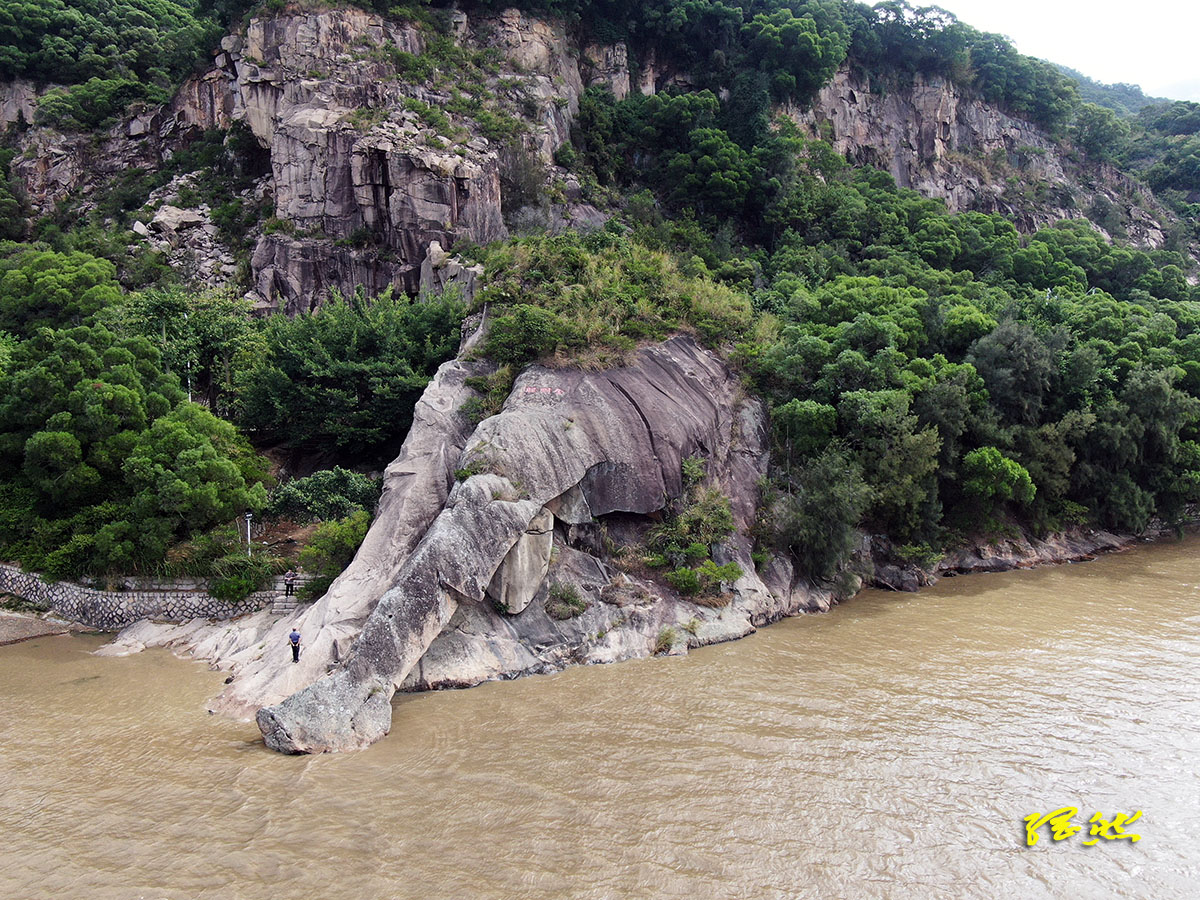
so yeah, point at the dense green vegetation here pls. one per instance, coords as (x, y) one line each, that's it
(684, 542)
(109, 54)
(1163, 145)
(346, 377)
(103, 462)
(928, 373)
(589, 299)
(70, 41)
(330, 550)
(328, 494)
(105, 465)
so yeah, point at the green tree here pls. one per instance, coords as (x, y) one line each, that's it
(328, 494)
(800, 54)
(898, 458)
(203, 337)
(1100, 132)
(346, 377)
(993, 479)
(43, 289)
(103, 464)
(816, 519)
(331, 548)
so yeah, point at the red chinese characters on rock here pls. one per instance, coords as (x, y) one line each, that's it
(543, 390)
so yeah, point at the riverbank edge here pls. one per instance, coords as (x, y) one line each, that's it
(1023, 551)
(16, 627)
(1079, 544)
(997, 555)
(109, 610)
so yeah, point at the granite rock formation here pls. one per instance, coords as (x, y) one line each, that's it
(937, 139)
(597, 447)
(360, 185)
(453, 584)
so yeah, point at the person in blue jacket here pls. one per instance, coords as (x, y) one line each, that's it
(294, 640)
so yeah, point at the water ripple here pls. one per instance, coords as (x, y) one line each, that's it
(887, 750)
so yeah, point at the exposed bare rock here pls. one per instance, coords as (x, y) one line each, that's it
(1023, 551)
(18, 100)
(52, 165)
(204, 101)
(17, 627)
(468, 603)
(416, 486)
(1026, 552)
(441, 272)
(362, 185)
(607, 66)
(358, 175)
(295, 276)
(940, 141)
(172, 219)
(515, 583)
(450, 587)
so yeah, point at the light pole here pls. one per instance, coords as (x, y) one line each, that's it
(249, 516)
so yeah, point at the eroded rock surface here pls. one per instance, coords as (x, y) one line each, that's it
(469, 602)
(362, 176)
(362, 180)
(936, 139)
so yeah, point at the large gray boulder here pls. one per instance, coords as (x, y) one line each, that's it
(613, 440)
(416, 486)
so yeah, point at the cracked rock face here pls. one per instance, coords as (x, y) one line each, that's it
(361, 185)
(524, 568)
(942, 143)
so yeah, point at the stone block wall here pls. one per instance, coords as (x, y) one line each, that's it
(113, 610)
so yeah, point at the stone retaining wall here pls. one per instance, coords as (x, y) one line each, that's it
(113, 610)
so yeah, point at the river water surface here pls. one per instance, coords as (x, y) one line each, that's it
(890, 748)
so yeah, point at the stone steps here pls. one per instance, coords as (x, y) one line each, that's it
(282, 605)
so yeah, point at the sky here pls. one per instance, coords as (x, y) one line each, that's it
(1152, 43)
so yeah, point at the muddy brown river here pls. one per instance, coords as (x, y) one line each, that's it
(890, 748)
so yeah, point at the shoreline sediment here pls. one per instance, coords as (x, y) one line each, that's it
(16, 627)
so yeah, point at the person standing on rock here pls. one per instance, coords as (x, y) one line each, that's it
(289, 583)
(294, 641)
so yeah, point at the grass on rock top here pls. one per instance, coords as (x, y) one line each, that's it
(588, 300)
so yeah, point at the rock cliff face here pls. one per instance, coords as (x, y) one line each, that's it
(351, 165)
(18, 101)
(941, 143)
(361, 184)
(570, 452)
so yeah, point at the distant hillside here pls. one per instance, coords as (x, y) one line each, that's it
(1125, 99)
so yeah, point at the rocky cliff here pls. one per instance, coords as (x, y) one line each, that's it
(368, 166)
(483, 531)
(941, 142)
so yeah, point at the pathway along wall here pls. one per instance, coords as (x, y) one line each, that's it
(113, 610)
